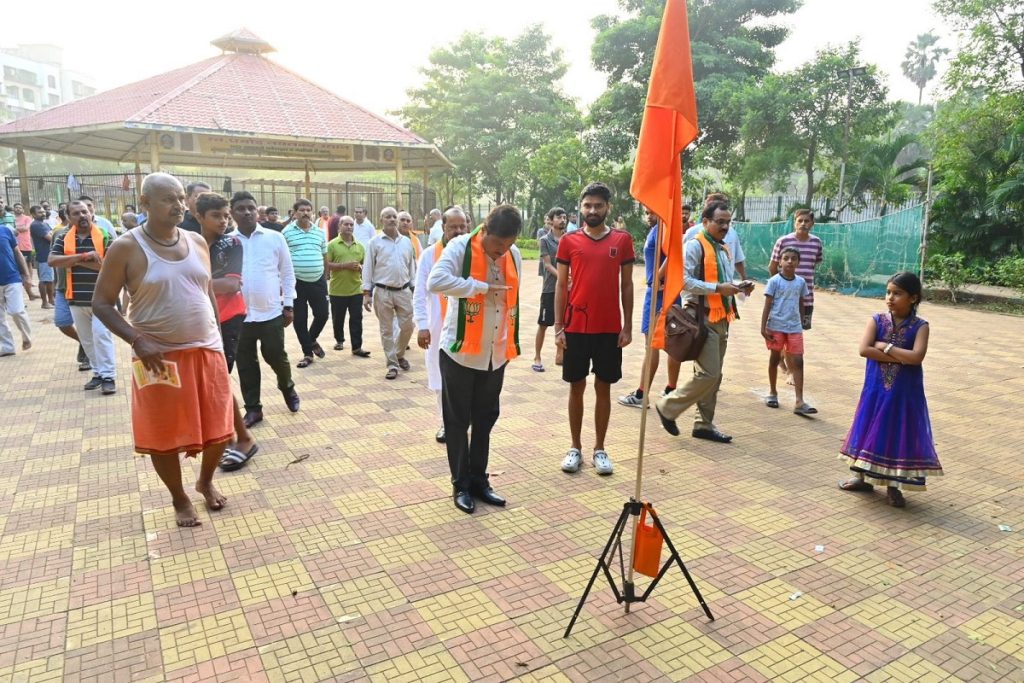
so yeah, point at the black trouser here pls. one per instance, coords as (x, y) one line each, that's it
(230, 331)
(314, 294)
(270, 335)
(469, 399)
(353, 306)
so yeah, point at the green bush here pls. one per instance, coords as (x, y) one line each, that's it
(531, 245)
(951, 270)
(1009, 272)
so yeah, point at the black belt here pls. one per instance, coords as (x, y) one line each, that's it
(391, 289)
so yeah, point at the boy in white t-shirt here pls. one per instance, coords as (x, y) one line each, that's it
(782, 329)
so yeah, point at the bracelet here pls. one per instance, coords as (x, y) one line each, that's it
(887, 349)
(135, 341)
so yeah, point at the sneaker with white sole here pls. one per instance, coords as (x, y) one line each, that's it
(602, 463)
(572, 461)
(631, 400)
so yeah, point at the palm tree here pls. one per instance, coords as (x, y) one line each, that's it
(890, 171)
(920, 59)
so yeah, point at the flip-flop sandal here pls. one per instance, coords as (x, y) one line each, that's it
(856, 485)
(235, 460)
(772, 401)
(537, 367)
(318, 351)
(805, 409)
(392, 373)
(304, 363)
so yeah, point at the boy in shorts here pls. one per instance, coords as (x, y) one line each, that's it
(588, 323)
(781, 326)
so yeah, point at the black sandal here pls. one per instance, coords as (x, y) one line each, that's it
(318, 351)
(855, 485)
(235, 460)
(305, 362)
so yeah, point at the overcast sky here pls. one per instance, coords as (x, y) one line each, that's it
(369, 51)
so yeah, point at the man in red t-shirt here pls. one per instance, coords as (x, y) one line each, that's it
(588, 322)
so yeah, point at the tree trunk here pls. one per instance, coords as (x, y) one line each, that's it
(920, 94)
(809, 170)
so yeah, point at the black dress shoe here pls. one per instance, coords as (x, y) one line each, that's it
(251, 417)
(440, 437)
(711, 435)
(291, 399)
(488, 496)
(670, 425)
(464, 501)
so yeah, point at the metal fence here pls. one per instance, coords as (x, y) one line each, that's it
(111, 192)
(371, 195)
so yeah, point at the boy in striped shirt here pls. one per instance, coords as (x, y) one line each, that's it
(811, 255)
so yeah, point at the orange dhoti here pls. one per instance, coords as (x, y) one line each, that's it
(169, 419)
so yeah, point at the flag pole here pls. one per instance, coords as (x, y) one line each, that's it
(645, 383)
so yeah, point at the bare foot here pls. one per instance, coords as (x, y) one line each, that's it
(214, 499)
(185, 515)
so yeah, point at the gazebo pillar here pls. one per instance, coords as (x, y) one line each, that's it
(426, 185)
(154, 152)
(398, 180)
(23, 178)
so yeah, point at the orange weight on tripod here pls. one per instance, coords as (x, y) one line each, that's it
(647, 553)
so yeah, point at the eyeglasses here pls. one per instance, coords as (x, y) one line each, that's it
(722, 221)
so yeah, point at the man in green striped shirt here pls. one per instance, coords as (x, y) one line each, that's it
(307, 245)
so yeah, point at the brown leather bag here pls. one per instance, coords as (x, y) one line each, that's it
(685, 332)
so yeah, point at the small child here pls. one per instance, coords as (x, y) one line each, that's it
(782, 329)
(890, 442)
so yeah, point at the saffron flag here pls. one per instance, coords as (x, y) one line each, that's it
(669, 125)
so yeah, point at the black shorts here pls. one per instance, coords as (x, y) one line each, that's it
(230, 329)
(598, 351)
(28, 257)
(805, 322)
(547, 310)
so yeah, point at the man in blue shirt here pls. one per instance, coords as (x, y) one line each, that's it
(13, 278)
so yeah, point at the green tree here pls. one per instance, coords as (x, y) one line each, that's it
(796, 120)
(920, 59)
(490, 103)
(890, 170)
(978, 142)
(992, 57)
(732, 43)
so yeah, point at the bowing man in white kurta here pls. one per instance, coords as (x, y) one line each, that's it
(426, 307)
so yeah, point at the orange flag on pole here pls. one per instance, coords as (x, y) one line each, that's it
(669, 125)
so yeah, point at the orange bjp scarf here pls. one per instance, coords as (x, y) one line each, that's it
(71, 248)
(719, 307)
(471, 311)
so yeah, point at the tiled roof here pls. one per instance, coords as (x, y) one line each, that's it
(231, 93)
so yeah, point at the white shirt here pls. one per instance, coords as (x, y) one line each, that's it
(446, 278)
(426, 311)
(436, 233)
(268, 278)
(364, 232)
(389, 261)
(732, 240)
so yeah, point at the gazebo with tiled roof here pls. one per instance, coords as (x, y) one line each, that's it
(236, 110)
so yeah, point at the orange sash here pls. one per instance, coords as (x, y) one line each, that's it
(438, 248)
(471, 311)
(71, 248)
(719, 307)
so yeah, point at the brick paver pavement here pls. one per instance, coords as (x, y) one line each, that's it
(354, 565)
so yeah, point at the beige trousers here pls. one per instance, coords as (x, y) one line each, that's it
(389, 306)
(702, 389)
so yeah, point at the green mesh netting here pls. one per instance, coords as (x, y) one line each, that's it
(859, 257)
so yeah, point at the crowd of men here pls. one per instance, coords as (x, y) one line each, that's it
(199, 283)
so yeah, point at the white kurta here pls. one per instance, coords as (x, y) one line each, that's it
(426, 311)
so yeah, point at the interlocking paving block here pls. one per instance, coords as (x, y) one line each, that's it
(998, 630)
(432, 664)
(271, 581)
(895, 620)
(110, 620)
(773, 599)
(204, 639)
(789, 658)
(315, 656)
(458, 612)
(363, 596)
(34, 600)
(186, 567)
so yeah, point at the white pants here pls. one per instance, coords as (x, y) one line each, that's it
(12, 302)
(97, 341)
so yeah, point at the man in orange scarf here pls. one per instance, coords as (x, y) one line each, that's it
(709, 273)
(479, 272)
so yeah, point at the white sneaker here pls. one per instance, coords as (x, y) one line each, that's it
(631, 400)
(602, 463)
(573, 460)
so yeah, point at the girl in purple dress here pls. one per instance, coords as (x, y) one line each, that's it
(890, 442)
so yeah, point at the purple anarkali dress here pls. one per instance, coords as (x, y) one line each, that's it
(890, 441)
